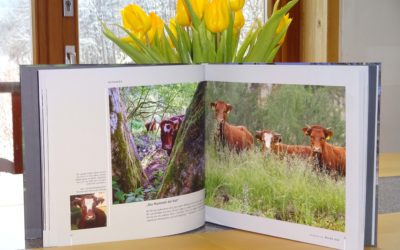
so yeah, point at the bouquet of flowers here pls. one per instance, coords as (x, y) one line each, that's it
(202, 31)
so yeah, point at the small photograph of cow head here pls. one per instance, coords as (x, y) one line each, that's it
(88, 211)
(151, 127)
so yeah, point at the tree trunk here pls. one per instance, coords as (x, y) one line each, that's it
(185, 171)
(126, 167)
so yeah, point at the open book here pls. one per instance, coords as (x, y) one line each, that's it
(127, 152)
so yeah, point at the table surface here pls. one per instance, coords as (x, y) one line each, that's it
(389, 165)
(388, 232)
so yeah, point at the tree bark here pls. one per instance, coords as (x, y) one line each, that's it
(126, 167)
(185, 171)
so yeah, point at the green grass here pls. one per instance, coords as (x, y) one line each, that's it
(266, 186)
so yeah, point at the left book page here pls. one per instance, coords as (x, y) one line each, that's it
(122, 152)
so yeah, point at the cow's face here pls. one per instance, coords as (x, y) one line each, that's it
(88, 204)
(168, 129)
(221, 110)
(268, 138)
(319, 135)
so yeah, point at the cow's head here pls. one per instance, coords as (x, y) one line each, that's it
(151, 126)
(268, 138)
(168, 129)
(221, 110)
(319, 135)
(88, 203)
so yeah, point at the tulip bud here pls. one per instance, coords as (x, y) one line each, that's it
(236, 5)
(157, 27)
(284, 22)
(198, 7)
(135, 19)
(182, 14)
(216, 15)
(239, 21)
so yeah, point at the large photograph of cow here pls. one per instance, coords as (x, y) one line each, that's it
(157, 141)
(277, 151)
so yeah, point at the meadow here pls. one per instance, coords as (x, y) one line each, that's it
(266, 186)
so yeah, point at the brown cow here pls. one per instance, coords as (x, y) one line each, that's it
(169, 129)
(151, 126)
(91, 216)
(272, 141)
(237, 137)
(330, 158)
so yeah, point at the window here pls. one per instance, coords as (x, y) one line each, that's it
(16, 49)
(15, 25)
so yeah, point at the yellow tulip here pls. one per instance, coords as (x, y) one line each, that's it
(236, 4)
(284, 22)
(182, 14)
(135, 19)
(198, 7)
(172, 26)
(239, 21)
(157, 27)
(216, 15)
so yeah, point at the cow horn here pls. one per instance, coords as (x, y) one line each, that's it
(308, 126)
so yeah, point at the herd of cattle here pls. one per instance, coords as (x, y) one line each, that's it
(324, 156)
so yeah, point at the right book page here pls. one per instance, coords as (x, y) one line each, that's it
(286, 151)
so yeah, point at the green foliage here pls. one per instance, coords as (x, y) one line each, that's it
(285, 109)
(135, 196)
(145, 103)
(287, 189)
(120, 196)
(152, 190)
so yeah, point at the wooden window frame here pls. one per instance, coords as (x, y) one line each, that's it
(313, 35)
(52, 31)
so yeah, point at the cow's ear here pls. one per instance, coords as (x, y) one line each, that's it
(328, 134)
(212, 105)
(99, 200)
(228, 108)
(277, 137)
(258, 135)
(76, 201)
(306, 130)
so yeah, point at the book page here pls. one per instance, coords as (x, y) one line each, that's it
(278, 140)
(123, 152)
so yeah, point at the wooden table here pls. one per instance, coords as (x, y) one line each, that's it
(388, 232)
(388, 239)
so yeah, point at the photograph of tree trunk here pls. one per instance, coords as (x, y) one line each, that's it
(277, 151)
(157, 141)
